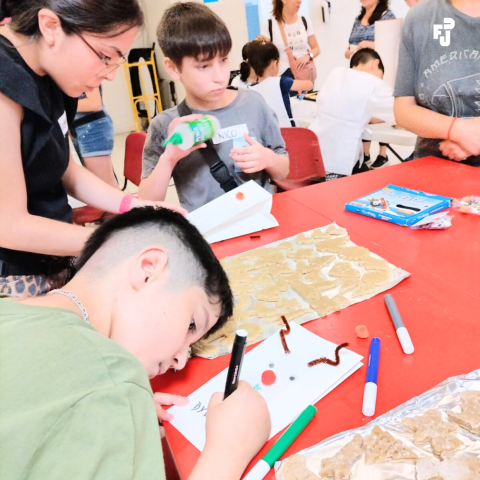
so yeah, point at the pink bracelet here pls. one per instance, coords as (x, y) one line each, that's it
(125, 203)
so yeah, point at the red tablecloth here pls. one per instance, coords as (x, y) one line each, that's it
(440, 302)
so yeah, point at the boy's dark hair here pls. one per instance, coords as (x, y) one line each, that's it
(177, 232)
(261, 54)
(380, 9)
(365, 55)
(99, 17)
(192, 30)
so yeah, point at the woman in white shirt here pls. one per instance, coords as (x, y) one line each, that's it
(299, 32)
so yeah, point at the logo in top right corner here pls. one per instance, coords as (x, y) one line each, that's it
(441, 32)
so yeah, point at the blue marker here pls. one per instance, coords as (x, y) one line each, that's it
(370, 392)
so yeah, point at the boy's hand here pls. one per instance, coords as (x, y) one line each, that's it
(172, 153)
(453, 151)
(238, 427)
(465, 132)
(167, 399)
(252, 159)
(348, 53)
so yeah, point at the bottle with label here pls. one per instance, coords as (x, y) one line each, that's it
(189, 134)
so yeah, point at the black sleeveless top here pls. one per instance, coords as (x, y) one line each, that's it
(44, 141)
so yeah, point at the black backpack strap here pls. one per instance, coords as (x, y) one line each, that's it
(270, 29)
(304, 20)
(218, 169)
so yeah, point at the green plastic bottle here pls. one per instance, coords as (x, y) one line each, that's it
(188, 134)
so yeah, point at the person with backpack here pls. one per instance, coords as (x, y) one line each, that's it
(295, 39)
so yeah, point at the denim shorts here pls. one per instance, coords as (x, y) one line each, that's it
(94, 139)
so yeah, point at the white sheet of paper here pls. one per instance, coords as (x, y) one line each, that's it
(227, 217)
(296, 386)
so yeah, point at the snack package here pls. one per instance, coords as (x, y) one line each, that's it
(468, 204)
(438, 221)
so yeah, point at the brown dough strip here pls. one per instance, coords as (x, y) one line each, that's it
(327, 360)
(283, 332)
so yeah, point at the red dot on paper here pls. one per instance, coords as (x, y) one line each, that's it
(268, 377)
(239, 195)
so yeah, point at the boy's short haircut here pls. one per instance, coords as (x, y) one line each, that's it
(192, 30)
(191, 259)
(365, 55)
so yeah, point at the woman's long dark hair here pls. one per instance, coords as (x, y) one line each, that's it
(380, 9)
(277, 11)
(99, 17)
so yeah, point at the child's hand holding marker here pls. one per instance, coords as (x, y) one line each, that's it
(162, 399)
(236, 429)
(253, 158)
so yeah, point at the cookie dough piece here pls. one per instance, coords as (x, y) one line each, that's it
(381, 446)
(349, 284)
(321, 261)
(241, 288)
(274, 257)
(282, 269)
(301, 254)
(285, 246)
(457, 469)
(323, 285)
(354, 253)
(431, 428)
(376, 277)
(320, 233)
(262, 311)
(268, 294)
(303, 239)
(263, 279)
(205, 349)
(373, 263)
(340, 300)
(343, 270)
(323, 305)
(333, 245)
(282, 284)
(243, 301)
(313, 276)
(364, 289)
(294, 468)
(469, 417)
(254, 330)
(297, 313)
(427, 468)
(339, 466)
(303, 289)
(334, 230)
(227, 328)
(288, 304)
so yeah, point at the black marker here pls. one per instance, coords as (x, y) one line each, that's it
(238, 351)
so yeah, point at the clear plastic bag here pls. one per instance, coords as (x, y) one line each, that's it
(468, 204)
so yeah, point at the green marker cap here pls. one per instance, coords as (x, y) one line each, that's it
(175, 139)
(290, 435)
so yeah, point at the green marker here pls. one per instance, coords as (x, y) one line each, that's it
(279, 448)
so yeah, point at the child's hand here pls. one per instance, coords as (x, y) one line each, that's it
(302, 61)
(167, 399)
(238, 427)
(252, 159)
(348, 53)
(453, 151)
(172, 153)
(465, 133)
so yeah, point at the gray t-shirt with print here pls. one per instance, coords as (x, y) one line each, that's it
(193, 180)
(445, 79)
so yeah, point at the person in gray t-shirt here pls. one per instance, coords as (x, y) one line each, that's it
(438, 79)
(194, 183)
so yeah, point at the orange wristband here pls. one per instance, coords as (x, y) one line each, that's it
(450, 129)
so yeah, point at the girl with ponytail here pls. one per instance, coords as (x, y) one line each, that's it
(51, 53)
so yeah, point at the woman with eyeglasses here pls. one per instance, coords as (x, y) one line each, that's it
(52, 52)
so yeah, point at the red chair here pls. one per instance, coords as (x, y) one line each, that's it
(132, 167)
(132, 171)
(306, 164)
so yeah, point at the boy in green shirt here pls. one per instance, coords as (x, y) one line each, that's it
(75, 400)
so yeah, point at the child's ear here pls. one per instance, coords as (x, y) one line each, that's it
(151, 262)
(171, 68)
